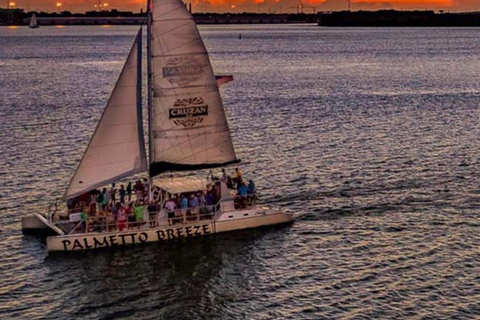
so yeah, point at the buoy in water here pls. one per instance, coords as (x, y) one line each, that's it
(239, 36)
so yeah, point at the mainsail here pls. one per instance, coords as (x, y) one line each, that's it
(189, 128)
(117, 148)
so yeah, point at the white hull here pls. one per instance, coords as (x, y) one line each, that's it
(228, 221)
(37, 222)
(33, 223)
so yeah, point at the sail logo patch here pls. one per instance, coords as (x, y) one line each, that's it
(182, 70)
(188, 112)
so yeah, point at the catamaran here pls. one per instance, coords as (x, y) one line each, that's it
(33, 21)
(187, 131)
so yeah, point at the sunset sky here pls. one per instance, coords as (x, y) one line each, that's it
(259, 5)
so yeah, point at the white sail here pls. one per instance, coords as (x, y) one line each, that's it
(190, 130)
(33, 21)
(117, 148)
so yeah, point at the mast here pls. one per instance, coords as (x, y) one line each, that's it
(149, 96)
(141, 135)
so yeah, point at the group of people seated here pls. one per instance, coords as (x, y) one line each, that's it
(100, 199)
(193, 205)
(119, 209)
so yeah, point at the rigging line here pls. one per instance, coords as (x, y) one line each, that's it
(176, 7)
(160, 34)
(198, 38)
(166, 52)
(114, 144)
(111, 162)
(173, 129)
(179, 145)
(118, 125)
(214, 146)
(182, 54)
(211, 86)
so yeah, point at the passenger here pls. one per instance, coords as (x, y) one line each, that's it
(224, 176)
(238, 176)
(243, 190)
(178, 201)
(242, 195)
(121, 218)
(130, 216)
(239, 184)
(139, 191)
(71, 204)
(114, 209)
(216, 191)
(202, 203)
(113, 192)
(93, 203)
(184, 202)
(109, 218)
(107, 197)
(193, 204)
(139, 215)
(83, 200)
(100, 201)
(152, 212)
(102, 218)
(146, 191)
(122, 193)
(251, 187)
(209, 199)
(129, 191)
(184, 205)
(229, 182)
(170, 207)
(84, 222)
(104, 197)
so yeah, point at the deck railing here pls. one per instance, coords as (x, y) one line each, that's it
(104, 223)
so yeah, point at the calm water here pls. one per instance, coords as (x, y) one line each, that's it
(371, 133)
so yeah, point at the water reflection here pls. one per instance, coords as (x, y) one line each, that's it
(178, 278)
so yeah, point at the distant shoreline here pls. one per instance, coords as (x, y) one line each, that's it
(19, 17)
(382, 18)
(393, 18)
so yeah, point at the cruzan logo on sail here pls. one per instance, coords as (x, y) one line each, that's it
(188, 112)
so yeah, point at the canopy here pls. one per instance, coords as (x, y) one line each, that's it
(182, 185)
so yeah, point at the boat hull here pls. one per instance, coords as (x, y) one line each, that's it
(33, 223)
(89, 241)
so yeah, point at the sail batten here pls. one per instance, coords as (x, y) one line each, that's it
(189, 126)
(117, 148)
